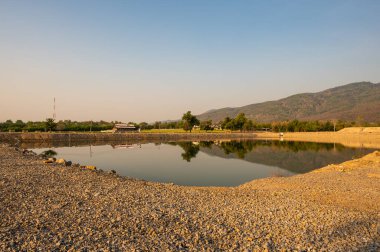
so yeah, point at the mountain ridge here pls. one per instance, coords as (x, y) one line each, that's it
(350, 102)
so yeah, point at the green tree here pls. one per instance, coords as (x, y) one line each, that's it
(144, 126)
(189, 121)
(206, 125)
(248, 125)
(225, 122)
(50, 124)
(239, 121)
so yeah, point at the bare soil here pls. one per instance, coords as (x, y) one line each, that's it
(350, 137)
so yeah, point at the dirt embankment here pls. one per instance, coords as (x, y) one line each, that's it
(50, 207)
(369, 130)
(350, 137)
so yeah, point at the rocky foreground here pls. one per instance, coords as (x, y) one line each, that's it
(51, 207)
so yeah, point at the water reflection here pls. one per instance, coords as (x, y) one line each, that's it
(206, 163)
(191, 149)
(239, 148)
(297, 157)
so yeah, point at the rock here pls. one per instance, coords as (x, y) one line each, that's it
(60, 161)
(47, 161)
(90, 167)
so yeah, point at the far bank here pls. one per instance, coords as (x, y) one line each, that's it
(354, 137)
(350, 137)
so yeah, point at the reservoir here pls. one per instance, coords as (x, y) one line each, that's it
(206, 163)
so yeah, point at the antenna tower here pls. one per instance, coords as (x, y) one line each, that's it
(54, 109)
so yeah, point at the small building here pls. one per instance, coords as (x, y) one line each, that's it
(216, 127)
(123, 127)
(196, 127)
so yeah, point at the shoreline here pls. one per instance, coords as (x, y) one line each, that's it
(347, 138)
(65, 137)
(56, 207)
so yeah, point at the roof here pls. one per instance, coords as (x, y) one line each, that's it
(124, 126)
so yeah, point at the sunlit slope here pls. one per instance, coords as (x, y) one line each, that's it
(351, 102)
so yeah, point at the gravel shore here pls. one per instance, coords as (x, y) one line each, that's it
(50, 207)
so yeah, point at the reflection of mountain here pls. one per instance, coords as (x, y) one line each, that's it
(289, 156)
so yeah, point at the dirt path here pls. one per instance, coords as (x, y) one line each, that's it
(51, 207)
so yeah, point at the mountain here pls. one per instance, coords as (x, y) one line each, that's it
(348, 103)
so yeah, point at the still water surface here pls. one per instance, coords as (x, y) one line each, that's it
(209, 163)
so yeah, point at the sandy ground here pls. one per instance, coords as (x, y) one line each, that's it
(50, 207)
(350, 137)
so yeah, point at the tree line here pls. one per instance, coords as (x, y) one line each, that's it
(188, 123)
(50, 125)
(243, 124)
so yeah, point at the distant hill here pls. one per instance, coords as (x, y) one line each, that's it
(348, 102)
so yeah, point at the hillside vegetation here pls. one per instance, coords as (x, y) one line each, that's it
(351, 102)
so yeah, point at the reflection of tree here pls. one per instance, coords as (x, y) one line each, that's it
(306, 146)
(191, 150)
(206, 144)
(240, 148)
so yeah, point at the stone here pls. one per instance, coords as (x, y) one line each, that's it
(60, 161)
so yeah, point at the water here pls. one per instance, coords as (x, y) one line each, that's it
(212, 163)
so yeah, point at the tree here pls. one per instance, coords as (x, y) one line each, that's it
(189, 121)
(225, 122)
(206, 125)
(157, 125)
(144, 126)
(50, 124)
(248, 125)
(239, 121)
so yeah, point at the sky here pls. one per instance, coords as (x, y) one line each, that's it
(154, 60)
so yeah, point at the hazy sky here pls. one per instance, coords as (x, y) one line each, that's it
(153, 60)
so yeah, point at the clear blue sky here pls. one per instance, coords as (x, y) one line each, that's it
(153, 60)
